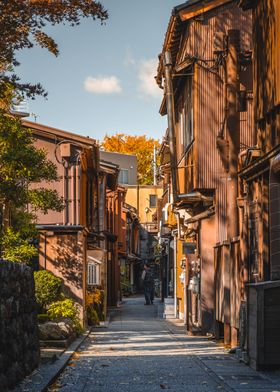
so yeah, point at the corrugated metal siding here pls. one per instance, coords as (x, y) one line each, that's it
(210, 113)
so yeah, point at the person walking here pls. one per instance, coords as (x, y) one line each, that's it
(149, 284)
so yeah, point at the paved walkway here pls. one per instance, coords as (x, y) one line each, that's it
(141, 352)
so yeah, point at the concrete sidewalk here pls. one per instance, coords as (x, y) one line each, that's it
(140, 352)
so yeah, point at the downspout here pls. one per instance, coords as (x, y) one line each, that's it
(233, 136)
(138, 202)
(45, 251)
(175, 274)
(233, 131)
(171, 123)
(66, 196)
(78, 193)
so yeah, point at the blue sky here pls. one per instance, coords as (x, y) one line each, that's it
(102, 80)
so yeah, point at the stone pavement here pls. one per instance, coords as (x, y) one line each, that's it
(141, 352)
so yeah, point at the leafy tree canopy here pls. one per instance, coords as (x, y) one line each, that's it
(22, 169)
(22, 25)
(21, 165)
(141, 146)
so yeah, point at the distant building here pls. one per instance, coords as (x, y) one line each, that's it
(127, 165)
(145, 199)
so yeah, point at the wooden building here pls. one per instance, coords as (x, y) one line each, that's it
(260, 192)
(70, 240)
(84, 243)
(205, 71)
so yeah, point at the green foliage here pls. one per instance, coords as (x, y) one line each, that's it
(92, 316)
(22, 222)
(45, 199)
(48, 288)
(65, 309)
(15, 248)
(22, 165)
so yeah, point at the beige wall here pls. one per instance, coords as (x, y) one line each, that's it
(64, 255)
(144, 200)
(125, 161)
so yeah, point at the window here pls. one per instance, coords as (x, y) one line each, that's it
(123, 176)
(153, 201)
(93, 273)
(186, 117)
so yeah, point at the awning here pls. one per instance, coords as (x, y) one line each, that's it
(132, 257)
(202, 215)
(94, 260)
(189, 199)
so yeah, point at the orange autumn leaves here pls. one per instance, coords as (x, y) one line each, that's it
(141, 146)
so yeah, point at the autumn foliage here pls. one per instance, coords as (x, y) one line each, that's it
(141, 146)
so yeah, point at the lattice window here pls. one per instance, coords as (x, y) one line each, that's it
(93, 275)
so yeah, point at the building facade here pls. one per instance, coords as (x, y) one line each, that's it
(206, 73)
(84, 243)
(260, 192)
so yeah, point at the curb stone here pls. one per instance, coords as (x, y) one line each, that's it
(45, 375)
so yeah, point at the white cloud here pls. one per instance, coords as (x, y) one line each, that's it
(103, 85)
(146, 75)
(129, 59)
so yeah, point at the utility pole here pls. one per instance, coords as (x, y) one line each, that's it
(155, 165)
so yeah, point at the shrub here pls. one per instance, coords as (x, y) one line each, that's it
(65, 309)
(48, 288)
(92, 316)
(16, 248)
(95, 300)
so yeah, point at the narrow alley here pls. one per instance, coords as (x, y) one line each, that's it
(140, 351)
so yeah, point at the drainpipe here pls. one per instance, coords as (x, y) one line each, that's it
(233, 136)
(171, 123)
(155, 165)
(78, 192)
(233, 131)
(175, 274)
(66, 195)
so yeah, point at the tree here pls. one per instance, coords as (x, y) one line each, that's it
(22, 25)
(141, 146)
(22, 165)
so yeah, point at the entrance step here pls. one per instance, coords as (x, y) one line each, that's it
(168, 312)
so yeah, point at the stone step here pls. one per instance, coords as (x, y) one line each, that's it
(169, 308)
(168, 316)
(169, 301)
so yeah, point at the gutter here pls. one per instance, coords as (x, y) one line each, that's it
(171, 123)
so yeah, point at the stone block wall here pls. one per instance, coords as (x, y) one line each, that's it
(19, 343)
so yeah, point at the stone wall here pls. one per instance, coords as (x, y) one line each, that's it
(19, 344)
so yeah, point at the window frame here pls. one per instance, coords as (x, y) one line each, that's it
(123, 170)
(155, 196)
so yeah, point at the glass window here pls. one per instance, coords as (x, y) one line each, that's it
(123, 176)
(93, 275)
(153, 201)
